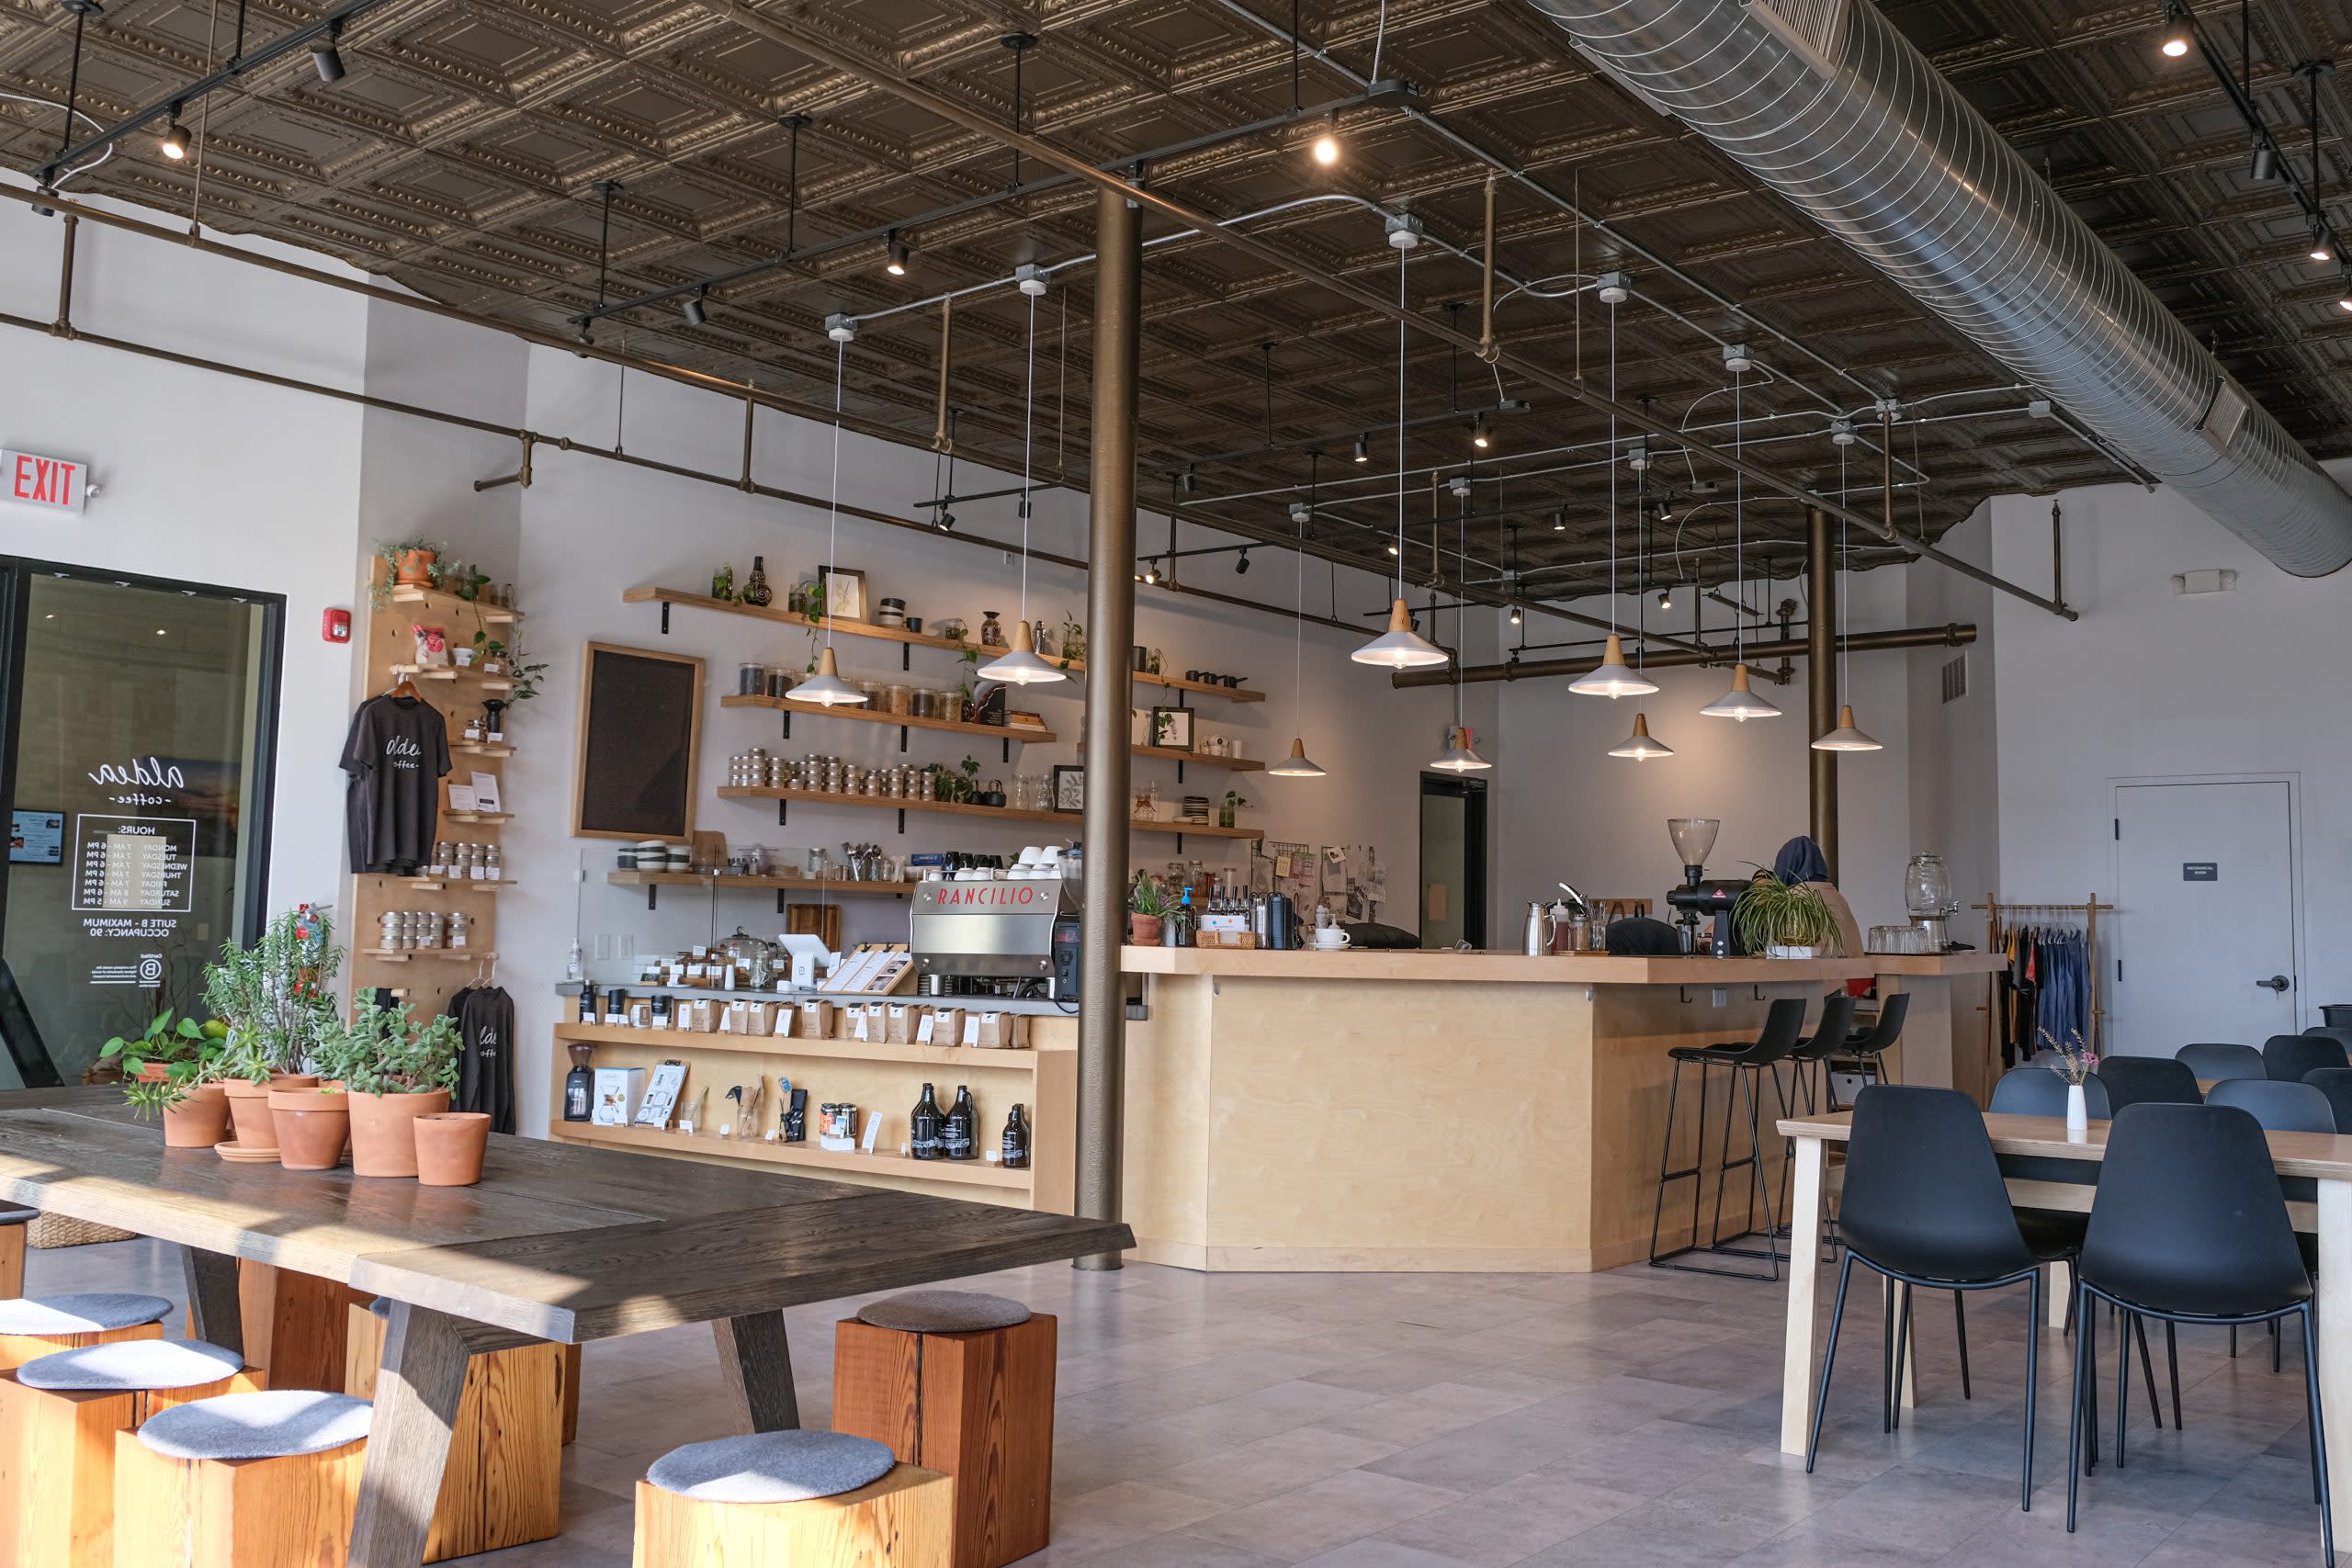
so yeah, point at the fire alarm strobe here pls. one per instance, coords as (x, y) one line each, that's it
(335, 626)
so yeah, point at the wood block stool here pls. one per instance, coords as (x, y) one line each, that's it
(34, 1327)
(962, 1383)
(58, 1416)
(294, 1326)
(503, 1485)
(244, 1481)
(791, 1500)
(11, 1248)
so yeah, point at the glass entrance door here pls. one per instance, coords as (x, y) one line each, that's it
(139, 735)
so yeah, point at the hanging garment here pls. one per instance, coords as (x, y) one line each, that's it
(486, 1069)
(397, 753)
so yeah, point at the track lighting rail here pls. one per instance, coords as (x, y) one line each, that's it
(326, 29)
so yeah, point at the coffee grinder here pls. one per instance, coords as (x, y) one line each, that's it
(1694, 838)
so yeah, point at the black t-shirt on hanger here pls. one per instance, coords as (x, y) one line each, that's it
(397, 752)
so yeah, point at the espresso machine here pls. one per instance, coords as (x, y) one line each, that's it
(1008, 938)
(1698, 898)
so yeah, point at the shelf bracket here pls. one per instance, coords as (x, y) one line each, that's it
(665, 617)
(781, 808)
(1008, 748)
(782, 897)
(903, 819)
(788, 724)
(653, 894)
(905, 655)
(902, 737)
(1179, 773)
(1180, 844)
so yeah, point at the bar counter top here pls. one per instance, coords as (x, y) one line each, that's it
(1448, 967)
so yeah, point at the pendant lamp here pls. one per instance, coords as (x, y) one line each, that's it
(1298, 765)
(1741, 703)
(1019, 664)
(1847, 737)
(1639, 746)
(1612, 678)
(826, 688)
(1400, 647)
(1460, 756)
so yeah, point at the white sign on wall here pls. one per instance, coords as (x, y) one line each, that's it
(53, 484)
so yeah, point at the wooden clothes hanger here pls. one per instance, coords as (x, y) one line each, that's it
(406, 688)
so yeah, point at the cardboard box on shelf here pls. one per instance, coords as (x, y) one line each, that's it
(614, 1094)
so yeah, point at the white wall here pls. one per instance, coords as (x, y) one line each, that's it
(1955, 747)
(203, 479)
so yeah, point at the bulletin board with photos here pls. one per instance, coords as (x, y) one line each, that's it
(1347, 879)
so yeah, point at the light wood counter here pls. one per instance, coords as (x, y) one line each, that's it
(1447, 1111)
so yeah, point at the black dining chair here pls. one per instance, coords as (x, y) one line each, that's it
(2279, 1107)
(2336, 1084)
(2221, 1061)
(1925, 1206)
(1748, 1062)
(2189, 1226)
(1865, 1054)
(2291, 1056)
(2147, 1080)
(2341, 1037)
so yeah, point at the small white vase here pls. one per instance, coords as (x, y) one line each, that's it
(2078, 1118)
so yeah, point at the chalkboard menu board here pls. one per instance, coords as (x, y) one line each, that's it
(639, 712)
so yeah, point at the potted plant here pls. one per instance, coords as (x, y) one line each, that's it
(394, 1069)
(410, 563)
(1073, 641)
(174, 1070)
(450, 1146)
(1234, 801)
(489, 654)
(1147, 910)
(1784, 919)
(275, 1000)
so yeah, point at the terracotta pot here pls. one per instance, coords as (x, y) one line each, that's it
(249, 1112)
(198, 1122)
(293, 1081)
(382, 1140)
(416, 568)
(449, 1145)
(152, 1072)
(313, 1126)
(1143, 931)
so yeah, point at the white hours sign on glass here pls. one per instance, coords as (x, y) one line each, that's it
(53, 484)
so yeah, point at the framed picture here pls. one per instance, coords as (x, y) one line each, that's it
(1173, 729)
(1070, 788)
(844, 592)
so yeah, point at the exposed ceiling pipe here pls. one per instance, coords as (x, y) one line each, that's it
(1831, 107)
(1958, 634)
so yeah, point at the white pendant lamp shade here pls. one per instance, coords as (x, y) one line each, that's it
(1460, 756)
(1298, 765)
(1639, 745)
(1019, 665)
(1741, 701)
(1846, 737)
(1613, 678)
(826, 688)
(1400, 647)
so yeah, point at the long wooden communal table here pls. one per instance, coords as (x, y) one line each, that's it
(2323, 1159)
(557, 1242)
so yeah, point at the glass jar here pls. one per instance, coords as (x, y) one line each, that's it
(898, 699)
(992, 630)
(1926, 886)
(750, 679)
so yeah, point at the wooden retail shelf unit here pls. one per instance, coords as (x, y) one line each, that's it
(783, 886)
(960, 808)
(876, 1077)
(907, 640)
(1008, 733)
(389, 654)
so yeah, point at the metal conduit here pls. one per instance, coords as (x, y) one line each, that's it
(1957, 635)
(1826, 104)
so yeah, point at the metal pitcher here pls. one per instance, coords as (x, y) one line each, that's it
(1539, 927)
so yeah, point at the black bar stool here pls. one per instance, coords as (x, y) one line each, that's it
(1811, 1058)
(1748, 1062)
(1865, 1054)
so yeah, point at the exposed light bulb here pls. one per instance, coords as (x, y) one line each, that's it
(1326, 149)
(1392, 549)
(1514, 615)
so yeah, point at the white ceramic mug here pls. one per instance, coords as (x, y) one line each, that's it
(1331, 937)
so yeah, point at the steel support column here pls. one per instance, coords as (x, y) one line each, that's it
(1111, 624)
(1821, 679)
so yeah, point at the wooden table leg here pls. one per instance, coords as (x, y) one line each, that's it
(1804, 1253)
(757, 1365)
(12, 1260)
(213, 1314)
(425, 1354)
(2057, 1286)
(2335, 1343)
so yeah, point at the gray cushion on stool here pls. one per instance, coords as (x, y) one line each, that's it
(771, 1467)
(13, 1216)
(276, 1425)
(90, 1313)
(131, 1364)
(944, 1311)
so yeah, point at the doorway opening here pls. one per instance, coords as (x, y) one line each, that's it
(1454, 861)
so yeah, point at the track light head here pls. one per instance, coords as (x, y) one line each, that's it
(1392, 549)
(1666, 598)
(2266, 162)
(1364, 449)
(2321, 251)
(1241, 563)
(691, 310)
(174, 142)
(325, 59)
(2176, 38)
(897, 257)
(1190, 479)
(1151, 572)
(1478, 436)
(1559, 520)
(1514, 615)
(1327, 144)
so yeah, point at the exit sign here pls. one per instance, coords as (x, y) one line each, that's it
(55, 484)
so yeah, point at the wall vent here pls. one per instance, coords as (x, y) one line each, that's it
(1956, 678)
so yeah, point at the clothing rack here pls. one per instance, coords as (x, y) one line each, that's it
(2089, 909)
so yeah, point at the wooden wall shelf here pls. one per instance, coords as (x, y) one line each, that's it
(478, 819)
(904, 721)
(438, 600)
(959, 1058)
(450, 672)
(481, 749)
(785, 884)
(962, 1173)
(1201, 758)
(463, 954)
(959, 809)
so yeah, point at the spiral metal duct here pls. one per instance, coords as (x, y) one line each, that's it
(1825, 102)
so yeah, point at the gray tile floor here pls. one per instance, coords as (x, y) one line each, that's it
(1434, 1421)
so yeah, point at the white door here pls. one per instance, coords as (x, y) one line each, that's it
(2205, 887)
